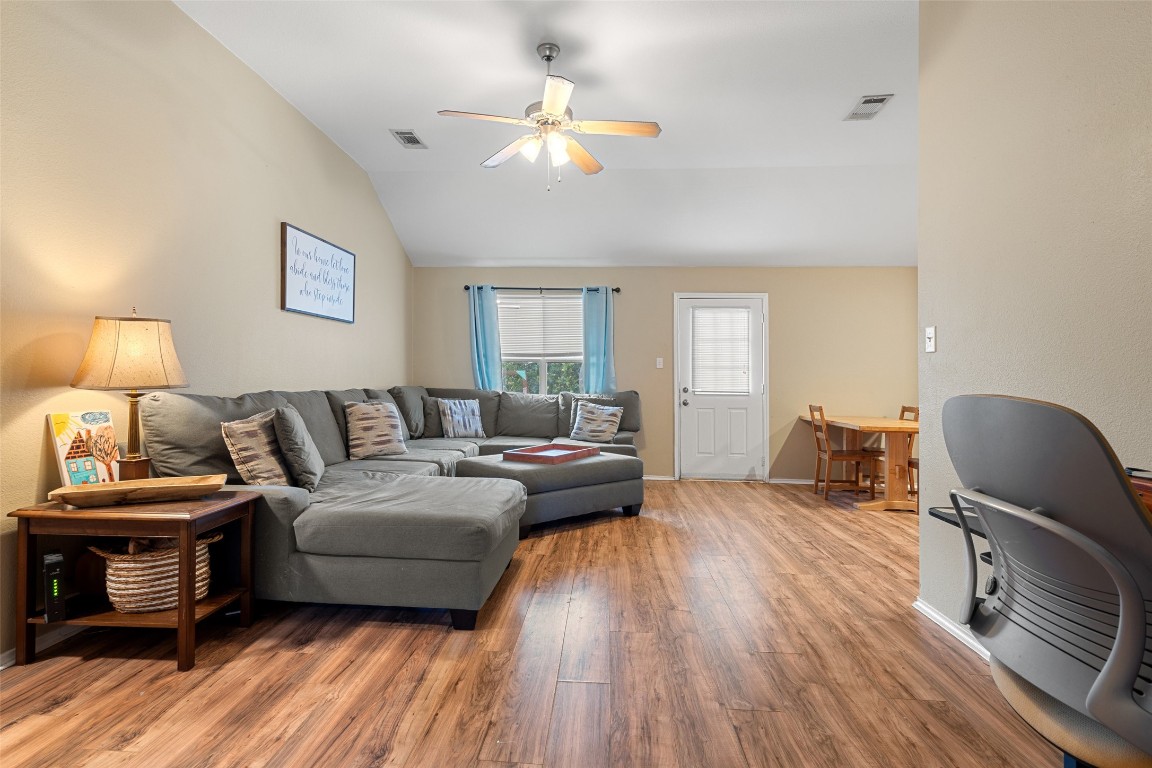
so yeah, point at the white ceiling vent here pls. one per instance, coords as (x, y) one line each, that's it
(868, 106)
(407, 138)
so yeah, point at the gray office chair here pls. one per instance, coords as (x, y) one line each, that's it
(1066, 616)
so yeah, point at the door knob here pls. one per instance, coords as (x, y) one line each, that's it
(685, 390)
(683, 402)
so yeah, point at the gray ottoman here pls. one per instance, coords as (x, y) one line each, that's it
(556, 491)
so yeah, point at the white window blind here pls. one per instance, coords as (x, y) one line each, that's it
(547, 325)
(721, 341)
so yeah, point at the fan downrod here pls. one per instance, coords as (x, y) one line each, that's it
(548, 52)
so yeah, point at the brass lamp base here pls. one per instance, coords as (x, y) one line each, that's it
(135, 469)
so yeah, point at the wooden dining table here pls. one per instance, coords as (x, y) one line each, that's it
(895, 432)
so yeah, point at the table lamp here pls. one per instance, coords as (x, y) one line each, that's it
(132, 353)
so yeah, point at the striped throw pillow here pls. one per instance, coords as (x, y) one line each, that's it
(255, 450)
(596, 423)
(374, 429)
(461, 418)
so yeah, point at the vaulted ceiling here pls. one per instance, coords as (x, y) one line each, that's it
(755, 165)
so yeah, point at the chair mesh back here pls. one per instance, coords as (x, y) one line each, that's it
(1053, 617)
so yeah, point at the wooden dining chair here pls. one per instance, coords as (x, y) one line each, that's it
(912, 413)
(826, 455)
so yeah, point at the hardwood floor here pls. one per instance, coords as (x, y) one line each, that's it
(730, 624)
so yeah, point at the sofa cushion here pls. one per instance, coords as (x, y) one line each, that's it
(624, 437)
(374, 430)
(317, 414)
(303, 458)
(489, 403)
(182, 432)
(446, 460)
(501, 443)
(629, 400)
(461, 418)
(254, 449)
(385, 396)
(411, 404)
(463, 445)
(358, 467)
(596, 423)
(522, 415)
(411, 517)
(620, 449)
(433, 426)
(443, 460)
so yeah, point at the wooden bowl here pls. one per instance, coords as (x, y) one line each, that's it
(139, 491)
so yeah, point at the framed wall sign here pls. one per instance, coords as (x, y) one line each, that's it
(316, 277)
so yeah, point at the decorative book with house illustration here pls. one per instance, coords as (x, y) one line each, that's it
(85, 445)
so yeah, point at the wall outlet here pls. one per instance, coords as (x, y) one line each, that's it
(659, 362)
(930, 338)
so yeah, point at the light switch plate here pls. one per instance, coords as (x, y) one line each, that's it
(659, 362)
(930, 338)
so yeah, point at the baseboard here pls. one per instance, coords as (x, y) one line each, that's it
(957, 630)
(658, 477)
(44, 641)
(790, 480)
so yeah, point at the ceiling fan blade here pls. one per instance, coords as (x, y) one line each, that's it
(478, 116)
(581, 159)
(508, 151)
(617, 127)
(557, 92)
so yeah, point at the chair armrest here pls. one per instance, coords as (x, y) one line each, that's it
(1110, 699)
(968, 606)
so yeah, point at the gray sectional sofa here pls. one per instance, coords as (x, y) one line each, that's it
(513, 420)
(400, 530)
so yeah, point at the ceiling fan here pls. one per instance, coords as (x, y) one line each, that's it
(550, 120)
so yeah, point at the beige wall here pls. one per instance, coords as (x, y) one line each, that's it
(843, 337)
(144, 165)
(1035, 226)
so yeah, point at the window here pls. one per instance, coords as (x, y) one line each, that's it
(721, 352)
(541, 341)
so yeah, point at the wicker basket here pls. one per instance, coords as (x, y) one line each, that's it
(148, 581)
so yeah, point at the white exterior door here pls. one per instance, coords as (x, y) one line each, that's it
(721, 392)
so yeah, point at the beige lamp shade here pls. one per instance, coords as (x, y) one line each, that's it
(130, 353)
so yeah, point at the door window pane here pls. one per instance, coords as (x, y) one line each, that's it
(721, 350)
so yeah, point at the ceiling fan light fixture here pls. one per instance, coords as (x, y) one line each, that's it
(558, 148)
(531, 150)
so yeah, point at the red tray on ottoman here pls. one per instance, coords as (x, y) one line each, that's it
(552, 453)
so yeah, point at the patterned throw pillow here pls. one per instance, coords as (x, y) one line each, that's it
(596, 423)
(255, 449)
(374, 429)
(461, 418)
(577, 399)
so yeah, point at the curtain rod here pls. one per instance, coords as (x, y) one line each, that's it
(513, 288)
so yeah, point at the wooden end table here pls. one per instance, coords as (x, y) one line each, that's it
(184, 520)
